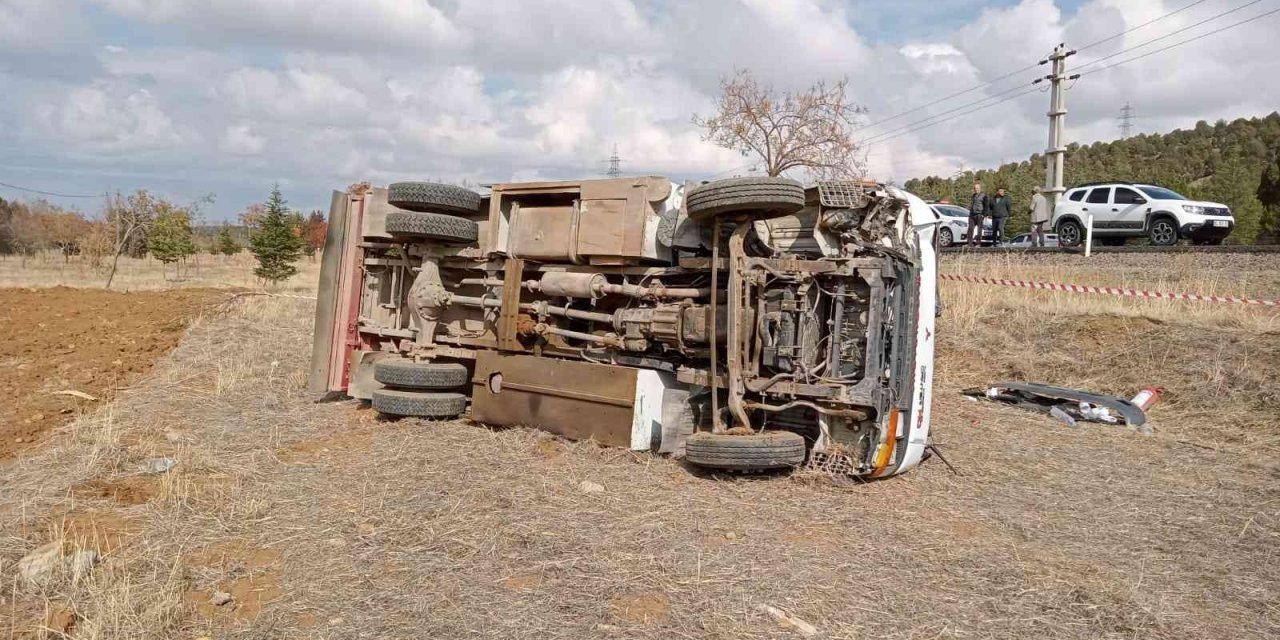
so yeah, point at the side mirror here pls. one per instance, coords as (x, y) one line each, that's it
(1140, 201)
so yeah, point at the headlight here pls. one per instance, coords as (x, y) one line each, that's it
(962, 224)
(1190, 208)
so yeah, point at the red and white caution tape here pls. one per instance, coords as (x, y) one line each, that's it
(1115, 291)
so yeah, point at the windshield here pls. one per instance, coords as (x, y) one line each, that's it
(951, 210)
(1160, 193)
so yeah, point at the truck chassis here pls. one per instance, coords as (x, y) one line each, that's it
(743, 324)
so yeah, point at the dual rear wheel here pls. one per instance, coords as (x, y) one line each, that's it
(430, 211)
(420, 389)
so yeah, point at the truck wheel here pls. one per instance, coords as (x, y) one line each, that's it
(768, 450)
(419, 404)
(431, 197)
(407, 374)
(436, 226)
(1070, 233)
(781, 195)
(1163, 232)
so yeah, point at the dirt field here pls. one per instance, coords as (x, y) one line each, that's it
(322, 521)
(84, 340)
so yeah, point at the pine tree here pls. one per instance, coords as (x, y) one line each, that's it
(1269, 195)
(227, 245)
(274, 242)
(170, 239)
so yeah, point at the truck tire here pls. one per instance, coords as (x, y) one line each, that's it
(759, 452)
(407, 374)
(780, 195)
(421, 404)
(430, 197)
(435, 226)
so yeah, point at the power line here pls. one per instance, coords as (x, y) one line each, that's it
(884, 137)
(1026, 68)
(948, 97)
(1170, 34)
(50, 193)
(958, 115)
(1178, 44)
(874, 138)
(1145, 24)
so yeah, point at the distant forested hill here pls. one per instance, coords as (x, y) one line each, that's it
(1221, 162)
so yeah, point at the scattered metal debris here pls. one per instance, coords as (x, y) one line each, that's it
(1069, 405)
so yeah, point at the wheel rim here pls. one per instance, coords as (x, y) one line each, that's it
(945, 238)
(1069, 234)
(1162, 233)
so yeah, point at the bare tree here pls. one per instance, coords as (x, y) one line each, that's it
(812, 129)
(131, 218)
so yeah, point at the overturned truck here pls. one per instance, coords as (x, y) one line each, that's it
(743, 324)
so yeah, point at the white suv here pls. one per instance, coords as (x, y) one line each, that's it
(1123, 210)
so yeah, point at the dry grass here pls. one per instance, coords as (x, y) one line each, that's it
(147, 274)
(349, 526)
(1240, 275)
(1217, 361)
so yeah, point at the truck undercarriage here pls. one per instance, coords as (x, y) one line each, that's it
(744, 324)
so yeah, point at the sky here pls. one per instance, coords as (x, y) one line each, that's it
(224, 98)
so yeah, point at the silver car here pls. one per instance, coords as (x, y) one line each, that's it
(954, 226)
(1023, 241)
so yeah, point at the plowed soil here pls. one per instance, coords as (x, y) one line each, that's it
(84, 340)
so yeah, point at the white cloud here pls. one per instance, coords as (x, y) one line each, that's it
(325, 92)
(38, 25)
(240, 139)
(317, 24)
(112, 119)
(939, 58)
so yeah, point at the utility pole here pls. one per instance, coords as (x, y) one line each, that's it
(1126, 120)
(1055, 154)
(615, 164)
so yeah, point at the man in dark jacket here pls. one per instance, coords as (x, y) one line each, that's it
(977, 213)
(1000, 207)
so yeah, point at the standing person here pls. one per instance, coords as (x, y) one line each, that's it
(977, 214)
(1039, 216)
(1000, 207)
